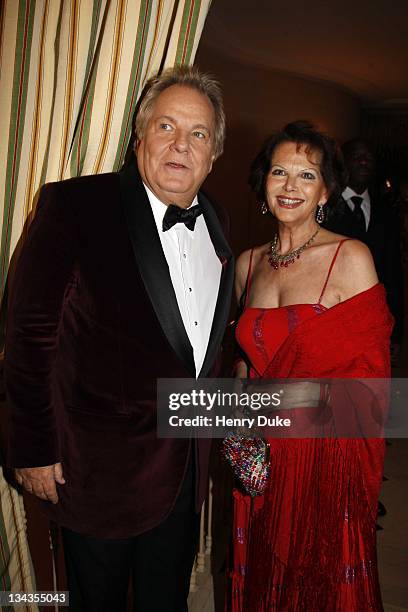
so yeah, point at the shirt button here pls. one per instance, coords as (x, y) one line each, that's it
(195, 323)
(185, 256)
(190, 289)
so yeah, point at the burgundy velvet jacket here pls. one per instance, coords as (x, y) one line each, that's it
(93, 322)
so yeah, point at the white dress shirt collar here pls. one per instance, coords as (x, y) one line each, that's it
(349, 193)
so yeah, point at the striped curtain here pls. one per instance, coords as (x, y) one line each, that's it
(15, 563)
(71, 72)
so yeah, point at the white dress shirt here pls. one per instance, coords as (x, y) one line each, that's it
(348, 193)
(195, 273)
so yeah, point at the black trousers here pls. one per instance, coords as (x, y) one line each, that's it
(159, 563)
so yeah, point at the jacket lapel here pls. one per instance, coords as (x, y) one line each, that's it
(222, 306)
(376, 216)
(152, 263)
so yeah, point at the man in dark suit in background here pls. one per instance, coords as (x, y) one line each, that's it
(363, 214)
(124, 278)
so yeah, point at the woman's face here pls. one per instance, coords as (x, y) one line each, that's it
(294, 185)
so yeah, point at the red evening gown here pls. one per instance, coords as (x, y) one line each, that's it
(309, 543)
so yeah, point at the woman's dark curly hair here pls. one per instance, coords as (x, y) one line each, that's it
(301, 133)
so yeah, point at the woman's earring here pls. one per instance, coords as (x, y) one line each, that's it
(320, 213)
(264, 208)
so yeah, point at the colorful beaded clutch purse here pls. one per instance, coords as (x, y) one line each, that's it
(249, 459)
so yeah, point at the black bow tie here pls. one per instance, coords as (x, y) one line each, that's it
(175, 214)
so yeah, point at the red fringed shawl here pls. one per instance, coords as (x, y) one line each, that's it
(308, 544)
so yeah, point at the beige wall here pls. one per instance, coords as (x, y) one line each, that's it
(257, 102)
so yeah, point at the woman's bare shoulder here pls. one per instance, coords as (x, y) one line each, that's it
(329, 237)
(256, 252)
(355, 269)
(351, 251)
(356, 252)
(242, 265)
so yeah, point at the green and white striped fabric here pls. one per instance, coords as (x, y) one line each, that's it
(71, 72)
(15, 564)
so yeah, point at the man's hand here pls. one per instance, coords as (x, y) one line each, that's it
(40, 481)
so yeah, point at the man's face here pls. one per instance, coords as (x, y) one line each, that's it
(176, 151)
(360, 166)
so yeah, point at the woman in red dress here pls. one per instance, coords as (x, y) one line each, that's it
(313, 308)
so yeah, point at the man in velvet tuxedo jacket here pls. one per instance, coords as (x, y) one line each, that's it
(118, 284)
(363, 214)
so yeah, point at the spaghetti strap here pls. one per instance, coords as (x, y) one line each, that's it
(331, 268)
(248, 279)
